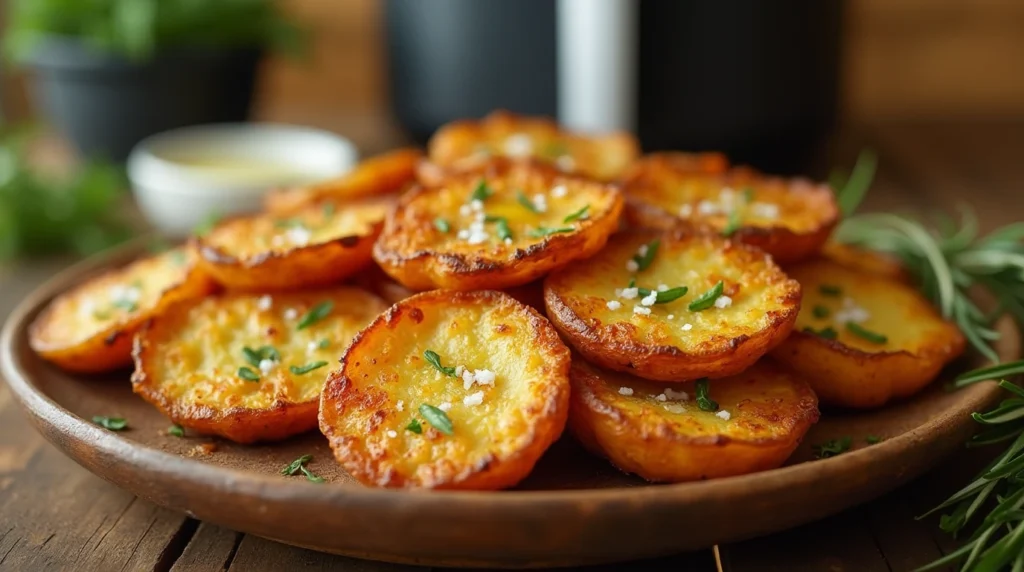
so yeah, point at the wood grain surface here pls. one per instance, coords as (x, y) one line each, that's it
(54, 515)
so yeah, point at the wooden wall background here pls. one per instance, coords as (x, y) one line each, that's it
(905, 59)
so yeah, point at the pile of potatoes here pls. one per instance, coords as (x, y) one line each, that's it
(442, 317)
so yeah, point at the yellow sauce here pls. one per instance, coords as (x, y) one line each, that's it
(245, 170)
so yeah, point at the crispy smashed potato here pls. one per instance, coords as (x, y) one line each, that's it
(737, 305)
(863, 339)
(466, 144)
(386, 174)
(660, 433)
(90, 328)
(318, 245)
(448, 390)
(248, 367)
(789, 219)
(506, 227)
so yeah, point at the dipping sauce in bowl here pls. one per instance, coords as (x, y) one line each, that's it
(186, 176)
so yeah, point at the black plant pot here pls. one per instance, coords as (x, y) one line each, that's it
(106, 104)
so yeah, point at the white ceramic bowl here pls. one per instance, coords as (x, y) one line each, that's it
(185, 176)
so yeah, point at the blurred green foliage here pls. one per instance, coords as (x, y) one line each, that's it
(136, 29)
(77, 213)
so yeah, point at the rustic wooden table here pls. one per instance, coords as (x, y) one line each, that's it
(54, 515)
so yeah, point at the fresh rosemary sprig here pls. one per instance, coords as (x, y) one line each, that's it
(949, 264)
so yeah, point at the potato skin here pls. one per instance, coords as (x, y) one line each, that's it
(666, 190)
(71, 334)
(851, 371)
(385, 174)
(186, 361)
(384, 379)
(674, 441)
(722, 341)
(466, 144)
(420, 256)
(252, 253)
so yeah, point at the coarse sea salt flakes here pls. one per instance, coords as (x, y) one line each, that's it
(650, 299)
(291, 314)
(265, 302)
(614, 304)
(629, 293)
(723, 414)
(625, 391)
(400, 406)
(723, 302)
(687, 327)
(392, 433)
(565, 163)
(266, 365)
(559, 191)
(518, 145)
(473, 399)
(642, 310)
(673, 408)
(445, 406)
(670, 393)
(299, 235)
(632, 266)
(660, 397)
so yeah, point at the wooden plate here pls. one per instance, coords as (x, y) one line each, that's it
(574, 509)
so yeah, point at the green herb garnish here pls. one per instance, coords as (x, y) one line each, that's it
(578, 215)
(323, 344)
(439, 419)
(435, 360)
(632, 283)
(862, 332)
(832, 448)
(733, 224)
(872, 439)
(643, 262)
(748, 195)
(319, 312)
(299, 466)
(304, 369)
(111, 423)
(707, 299)
(820, 311)
(206, 224)
(415, 427)
(830, 290)
(554, 150)
(827, 332)
(504, 232)
(289, 223)
(664, 296)
(526, 202)
(481, 192)
(255, 356)
(176, 431)
(542, 231)
(101, 314)
(248, 374)
(327, 210)
(442, 225)
(704, 400)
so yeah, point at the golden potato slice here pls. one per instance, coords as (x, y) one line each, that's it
(248, 367)
(738, 305)
(866, 261)
(90, 328)
(466, 144)
(789, 219)
(318, 245)
(660, 433)
(395, 419)
(862, 339)
(531, 219)
(386, 174)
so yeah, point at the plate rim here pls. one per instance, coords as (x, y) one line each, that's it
(52, 421)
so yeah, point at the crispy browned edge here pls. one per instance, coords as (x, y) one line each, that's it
(584, 377)
(429, 268)
(785, 245)
(431, 172)
(491, 473)
(384, 174)
(111, 348)
(612, 345)
(313, 265)
(239, 424)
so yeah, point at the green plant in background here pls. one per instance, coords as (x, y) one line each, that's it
(136, 29)
(77, 213)
(949, 263)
